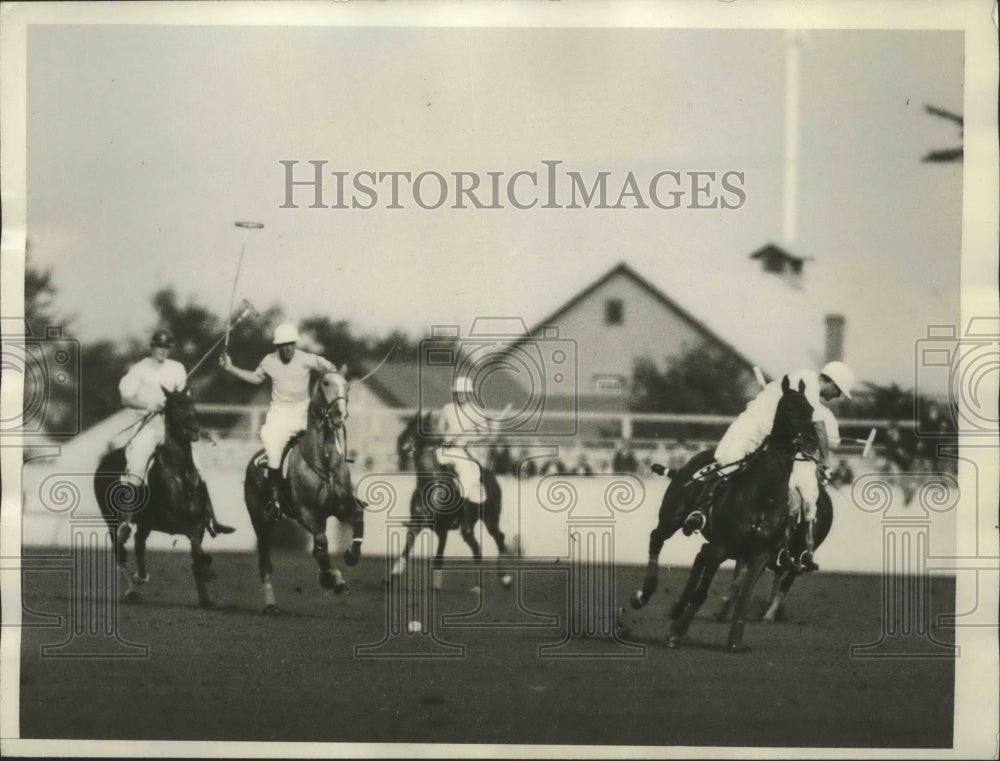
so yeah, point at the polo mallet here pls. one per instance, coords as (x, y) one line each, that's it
(869, 442)
(247, 227)
(247, 309)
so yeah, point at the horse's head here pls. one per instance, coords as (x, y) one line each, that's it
(180, 416)
(793, 417)
(329, 399)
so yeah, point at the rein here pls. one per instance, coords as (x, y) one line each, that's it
(324, 415)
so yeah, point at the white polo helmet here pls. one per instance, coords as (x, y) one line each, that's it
(841, 375)
(286, 333)
(462, 385)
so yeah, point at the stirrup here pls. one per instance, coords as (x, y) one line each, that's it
(806, 562)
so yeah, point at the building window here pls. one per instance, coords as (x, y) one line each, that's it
(614, 312)
(609, 384)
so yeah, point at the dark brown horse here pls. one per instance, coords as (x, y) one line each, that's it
(316, 487)
(173, 500)
(437, 502)
(747, 521)
(784, 576)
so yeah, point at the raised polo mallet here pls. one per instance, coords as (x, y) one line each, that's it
(247, 309)
(247, 227)
(759, 375)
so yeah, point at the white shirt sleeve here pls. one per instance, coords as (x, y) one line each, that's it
(832, 426)
(129, 383)
(177, 376)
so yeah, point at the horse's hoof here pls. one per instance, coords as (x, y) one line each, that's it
(340, 587)
(774, 616)
(636, 600)
(326, 580)
(271, 610)
(140, 579)
(207, 604)
(133, 597)
(674, 641)
(506, 580)
(352, 555)
(737, 647)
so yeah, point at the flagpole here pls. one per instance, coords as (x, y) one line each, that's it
(793, 49)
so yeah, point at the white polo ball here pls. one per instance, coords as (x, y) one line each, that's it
(414, 627)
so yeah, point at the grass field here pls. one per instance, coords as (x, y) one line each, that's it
(234, 674)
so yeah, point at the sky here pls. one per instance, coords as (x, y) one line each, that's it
(147, 143)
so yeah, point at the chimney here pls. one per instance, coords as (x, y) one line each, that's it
(834, 337)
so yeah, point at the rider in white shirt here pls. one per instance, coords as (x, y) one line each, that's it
(456, 421)
(142, 389)
(289, 370)
(753, 425)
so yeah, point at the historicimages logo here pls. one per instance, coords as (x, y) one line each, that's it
(509, 382)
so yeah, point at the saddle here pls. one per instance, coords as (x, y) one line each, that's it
(260, 459)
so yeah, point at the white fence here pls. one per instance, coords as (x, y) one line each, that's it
(372, 431)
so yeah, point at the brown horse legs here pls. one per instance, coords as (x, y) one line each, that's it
(695, 592)
(353, 553)
(329, 578)
(201, 566)
(141, 576)
(649, 583)
(754, 570)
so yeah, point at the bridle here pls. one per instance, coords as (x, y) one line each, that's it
(325, 414)
(325, 411)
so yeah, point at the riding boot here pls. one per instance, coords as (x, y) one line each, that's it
(696, 519)
(273, 509)
(214, 527)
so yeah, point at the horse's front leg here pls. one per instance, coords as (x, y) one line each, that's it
(353, 553)
(329, 577)
(442, 535)
(706, 564)
(779, 591)
(201, 567)
(468, 530)
(755, 569)
(734, 589)
(141, 575)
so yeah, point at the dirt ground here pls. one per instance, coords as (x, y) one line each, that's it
(234, 674)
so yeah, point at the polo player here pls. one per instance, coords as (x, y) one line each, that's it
(142, 388)
(746, 434)
(457, 418)
(289, 370)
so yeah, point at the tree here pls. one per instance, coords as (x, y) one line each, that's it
(49, 360)
(706, 379)
(196, 331)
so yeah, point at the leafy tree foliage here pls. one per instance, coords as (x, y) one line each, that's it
(705, 379)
